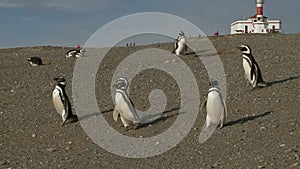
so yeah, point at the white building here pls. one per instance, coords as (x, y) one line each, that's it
(257, 23)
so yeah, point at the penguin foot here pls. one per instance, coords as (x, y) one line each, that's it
(72, 119)
(263, 84)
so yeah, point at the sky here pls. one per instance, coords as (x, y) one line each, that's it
(72, 22)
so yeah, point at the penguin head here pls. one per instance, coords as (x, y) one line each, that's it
(245, 49)
(213, 83)
(122, 83)
(61, 80)
(181, 33)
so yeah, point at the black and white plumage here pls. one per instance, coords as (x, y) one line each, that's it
(124, 106)
(215, 106)
(61, 101)
(35, 61)
(251, 68)
(180, 44)
(77, 52)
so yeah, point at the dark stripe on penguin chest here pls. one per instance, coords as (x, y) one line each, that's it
(65, 99)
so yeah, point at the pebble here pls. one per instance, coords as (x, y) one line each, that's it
(282, 145)
(295, 164)
(33, 135)
(51, 150)
(68, 148)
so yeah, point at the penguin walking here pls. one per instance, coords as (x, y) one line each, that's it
(180, 44)
(35, 61)
(215, 106)
(251, 68)
(216, 111)
(61, 101)
(77, 52)
(124, 106)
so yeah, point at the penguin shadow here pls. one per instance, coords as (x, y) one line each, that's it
(247, 119)
(162, 118)
(282, 80)
(94, 114)
(197, 53)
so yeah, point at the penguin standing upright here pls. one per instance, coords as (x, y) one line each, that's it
(124, 106)
(252, 70)
(180, 44)
(35, 61)
(216, 111)
(215, 106)
(61, 101)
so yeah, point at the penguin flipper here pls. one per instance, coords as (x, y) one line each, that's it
(203, 105)
(116, 114)
(223, 115)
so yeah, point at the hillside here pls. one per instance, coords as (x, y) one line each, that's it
(262, 129)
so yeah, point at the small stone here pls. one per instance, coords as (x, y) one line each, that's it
(194, 128)
(69, 142)
(261, 166)
(216, 165)
(282, 145)
(51, 150)
(141, 136)
(262, 128)
(295, 164)
(68, 148)
(167, 61)
(33, 135)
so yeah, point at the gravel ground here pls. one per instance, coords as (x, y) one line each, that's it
(262, 129)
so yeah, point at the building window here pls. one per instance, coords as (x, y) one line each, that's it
(246, 29)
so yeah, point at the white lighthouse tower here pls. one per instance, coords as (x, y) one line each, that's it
(257, 23)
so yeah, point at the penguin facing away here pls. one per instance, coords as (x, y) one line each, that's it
(251, 68)
(180, 44)
(124, 106)
(35, 61)
(215, 106)
(61, 101)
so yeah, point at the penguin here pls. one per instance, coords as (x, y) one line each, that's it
(124, 106)
(61, 101)
(35, 61)
(180, 44)
(216, 108)
(75, 53)
(251, 68)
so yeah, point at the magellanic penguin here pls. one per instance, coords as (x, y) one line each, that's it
(77, 52)
(35, 61)
(124, 106)
(252, 70)
(61, 101)
(180, 44)
(215, 106)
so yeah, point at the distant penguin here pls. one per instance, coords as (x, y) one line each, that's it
(124, 106)
(180, 44)
(35, 61)
(61, 101)
(215, 106)
(77, 52)
(252, 70)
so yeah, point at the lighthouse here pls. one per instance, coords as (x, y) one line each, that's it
(259, 9)
(257, 23)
